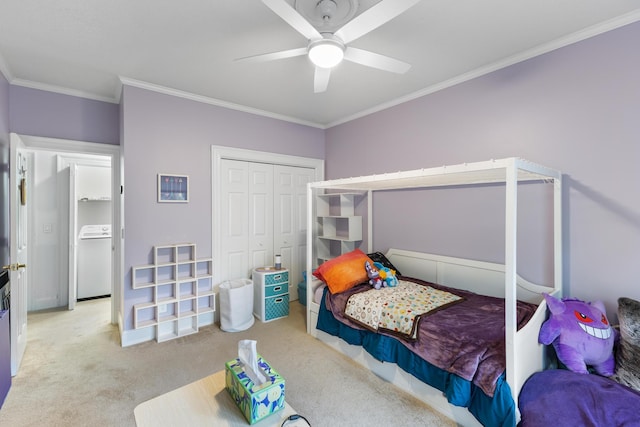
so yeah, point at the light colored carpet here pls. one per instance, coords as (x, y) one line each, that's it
(74, 373)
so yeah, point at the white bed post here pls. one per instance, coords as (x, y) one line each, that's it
(557, 234)
(310, 249)
(511, 228)
(369, 221)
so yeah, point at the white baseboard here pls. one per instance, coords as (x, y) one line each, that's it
(138, 336)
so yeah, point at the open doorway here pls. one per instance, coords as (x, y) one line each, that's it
(56, 218)
(87, 181)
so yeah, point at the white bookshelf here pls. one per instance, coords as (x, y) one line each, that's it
(181, 291)
(339, 229)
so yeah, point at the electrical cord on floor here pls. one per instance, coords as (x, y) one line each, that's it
(293, 418)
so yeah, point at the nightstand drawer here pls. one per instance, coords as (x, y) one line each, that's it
(275, 278)
(276, 307)
(279, 289)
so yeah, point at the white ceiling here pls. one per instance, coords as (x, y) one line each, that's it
(188, 47)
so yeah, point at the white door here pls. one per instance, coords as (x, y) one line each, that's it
(260, 194)
(263, 210)
(72, 171)
(18, 250)
(303, 176)
(234, 212)
(246, 217)
(290, 225)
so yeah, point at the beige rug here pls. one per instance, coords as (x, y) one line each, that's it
(74, 373)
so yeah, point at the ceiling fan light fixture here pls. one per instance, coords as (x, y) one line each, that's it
(326, 53)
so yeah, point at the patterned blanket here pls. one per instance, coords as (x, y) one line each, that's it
(397, 310)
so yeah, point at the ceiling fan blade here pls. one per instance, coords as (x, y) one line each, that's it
(375, 60)
(321, 79)
(285, 11)
(274, 55)
(372, 18)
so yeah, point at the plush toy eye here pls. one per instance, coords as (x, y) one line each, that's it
(582, 317)
(604, 320)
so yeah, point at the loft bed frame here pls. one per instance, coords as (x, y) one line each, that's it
(524, 355)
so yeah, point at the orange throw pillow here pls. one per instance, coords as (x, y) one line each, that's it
(344, 272)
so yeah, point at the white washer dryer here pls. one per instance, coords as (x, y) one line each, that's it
(94, 261)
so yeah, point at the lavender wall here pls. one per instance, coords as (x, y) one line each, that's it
(53, 115)
(4, 171)
(575, 109)
(165, 134)
(4, 110)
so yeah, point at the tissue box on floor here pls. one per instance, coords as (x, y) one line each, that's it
(255, 401)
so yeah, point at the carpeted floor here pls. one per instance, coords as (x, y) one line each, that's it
(74, 373)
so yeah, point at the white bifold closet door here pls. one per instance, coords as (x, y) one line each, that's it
(263, 214)
(290, 220)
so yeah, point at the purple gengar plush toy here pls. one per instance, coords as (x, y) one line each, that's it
(581, 335)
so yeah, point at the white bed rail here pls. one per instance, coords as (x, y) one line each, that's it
(481, 277)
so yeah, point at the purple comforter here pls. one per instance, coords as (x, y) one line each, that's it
(466, 339)
(564, 398)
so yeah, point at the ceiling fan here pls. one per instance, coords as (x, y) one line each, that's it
(327, 45)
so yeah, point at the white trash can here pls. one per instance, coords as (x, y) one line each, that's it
(236, 305)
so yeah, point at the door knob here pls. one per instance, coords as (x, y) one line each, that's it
(13, 267)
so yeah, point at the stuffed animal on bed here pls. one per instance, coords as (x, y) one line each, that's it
(581, 335)
(386, 274)
(374, 276)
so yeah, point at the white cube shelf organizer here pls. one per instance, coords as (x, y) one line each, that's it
(339, 229)
(182, 291)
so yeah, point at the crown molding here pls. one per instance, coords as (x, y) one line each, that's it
(62, 90)
(570, 39)
(536, 51)
(212, 101)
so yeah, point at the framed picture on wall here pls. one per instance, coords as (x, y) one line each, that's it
(173, 188)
